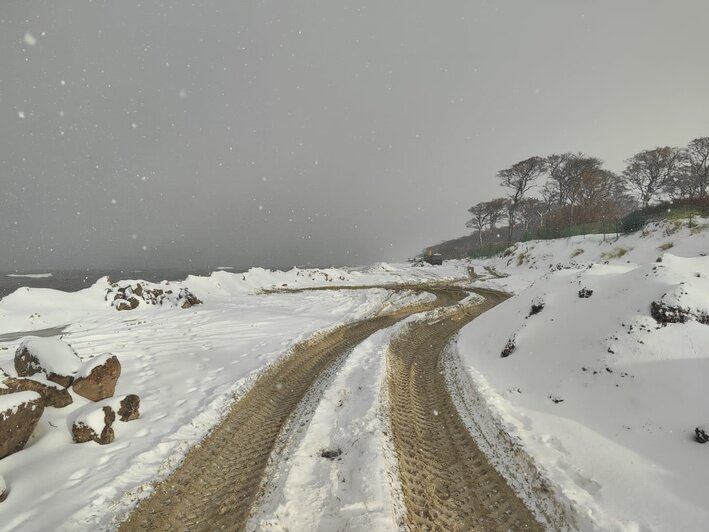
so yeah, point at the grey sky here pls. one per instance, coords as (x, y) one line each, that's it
(280, 133)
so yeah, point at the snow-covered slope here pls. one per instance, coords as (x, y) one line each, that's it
(602, 395)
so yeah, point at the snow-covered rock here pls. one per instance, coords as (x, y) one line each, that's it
(97, 378)
(19, 414)
(128, 296)
(52, 393)
(93, 423)
(52, 357)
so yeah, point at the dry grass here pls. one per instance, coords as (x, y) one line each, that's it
(615, 253)
(576, 252)
(665, 246)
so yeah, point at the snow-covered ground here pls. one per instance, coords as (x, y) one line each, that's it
(187, 366)
(598, 398)
(602, 397)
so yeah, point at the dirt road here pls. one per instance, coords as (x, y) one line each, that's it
(220, 480)
(447, 482)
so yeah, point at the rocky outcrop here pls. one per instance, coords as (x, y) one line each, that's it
(50, 356)
(52, 394)
(94, 424)
(19, 414)
(129, 408)
(129, 297)
(97, 378)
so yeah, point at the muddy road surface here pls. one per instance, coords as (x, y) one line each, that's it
(446, 481)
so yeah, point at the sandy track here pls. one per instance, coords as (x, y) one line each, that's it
(447, 482)
(217, 484)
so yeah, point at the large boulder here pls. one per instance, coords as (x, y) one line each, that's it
(96, 379)
(19, 414)
(56, 359)
(93, 423)
(52, 393)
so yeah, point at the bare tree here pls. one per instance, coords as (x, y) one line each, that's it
(532, 211)
(649, 173)
(558, 183)
(519, 178)
(596, 187)
(486, 214)
(479, 220)
(697, 160)
(496, 209)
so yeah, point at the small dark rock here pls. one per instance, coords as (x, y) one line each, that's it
(537, 307)
(509, 348)
(701, 434)
(331, 454)
(585, 293)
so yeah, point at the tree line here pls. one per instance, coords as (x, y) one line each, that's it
(574, 189)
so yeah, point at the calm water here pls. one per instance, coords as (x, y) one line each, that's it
(71, 281)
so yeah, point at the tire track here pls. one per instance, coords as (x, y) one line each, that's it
(219, 481)
(447, 482)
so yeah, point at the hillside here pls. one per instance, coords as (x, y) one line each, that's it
(596, 368)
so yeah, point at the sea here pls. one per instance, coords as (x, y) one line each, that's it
(73, 280)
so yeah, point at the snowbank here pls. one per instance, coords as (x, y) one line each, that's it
(603, 396)
(187, 366)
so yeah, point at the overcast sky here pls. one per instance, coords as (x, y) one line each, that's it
(326, 132)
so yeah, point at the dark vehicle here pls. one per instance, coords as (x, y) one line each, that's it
(435, 259)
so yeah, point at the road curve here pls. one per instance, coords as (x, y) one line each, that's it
(447, 482)
(219, 481)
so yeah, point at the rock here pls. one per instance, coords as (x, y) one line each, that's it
(94, 423)
(585, 293)
(3, 489)
(56, 359)
(96, 379)
(52, 393)
(509, 348)
(123, 305)
(129, 297)
(702, 434)
(331, 454)
(188, 298)
(19, 414)
(537, 306)
(129, 408)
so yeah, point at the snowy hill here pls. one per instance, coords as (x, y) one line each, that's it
(604, 378)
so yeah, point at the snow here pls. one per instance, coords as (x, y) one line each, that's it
(186, 365)
(354, 491)
(53, 355)
(591, 417)
(91, 416)
(13, 401)
(603, 398)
